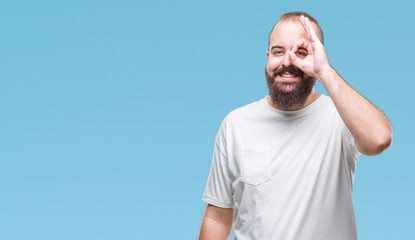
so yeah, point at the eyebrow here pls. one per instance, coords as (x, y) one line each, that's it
(277, 46)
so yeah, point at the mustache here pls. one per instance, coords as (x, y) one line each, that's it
(291, 70)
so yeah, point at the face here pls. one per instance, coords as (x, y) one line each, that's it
(287, 84)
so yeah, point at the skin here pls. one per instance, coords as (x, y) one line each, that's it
(296, 44)
(216, 223)
(283, 39)
(369, 126)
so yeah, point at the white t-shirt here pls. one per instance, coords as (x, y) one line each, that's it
(287, 174)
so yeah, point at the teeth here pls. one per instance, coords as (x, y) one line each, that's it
(288, 75)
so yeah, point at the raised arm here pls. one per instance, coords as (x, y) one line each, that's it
(369, 126)
(216, 223)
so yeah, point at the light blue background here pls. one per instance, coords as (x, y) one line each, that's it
(109, 109)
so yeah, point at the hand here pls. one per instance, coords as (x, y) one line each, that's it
(316, 63)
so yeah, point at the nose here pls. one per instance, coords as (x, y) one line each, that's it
(286, 62)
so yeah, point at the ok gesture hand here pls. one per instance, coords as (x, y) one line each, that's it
(316, 63)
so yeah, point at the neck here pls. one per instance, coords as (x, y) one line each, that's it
(310, 99)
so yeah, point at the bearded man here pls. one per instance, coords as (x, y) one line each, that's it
(283, 167)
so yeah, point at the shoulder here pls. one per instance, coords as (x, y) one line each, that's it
(326, 101)
(239, 116)
(330, 112)
(245, 111)
(325, 104)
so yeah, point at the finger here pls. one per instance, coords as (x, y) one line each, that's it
(304, 44)
(295, 60)
(305, 25)
(300, 43)
(310, 30)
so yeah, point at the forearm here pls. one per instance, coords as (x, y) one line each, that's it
(369, 126)
(211, 229)
(216, 223)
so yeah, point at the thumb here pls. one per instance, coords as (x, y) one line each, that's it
(295, 60)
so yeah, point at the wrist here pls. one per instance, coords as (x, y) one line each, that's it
(326, 74)
(331, 81)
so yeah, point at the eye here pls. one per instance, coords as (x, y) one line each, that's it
(277, 52)
(301, 54)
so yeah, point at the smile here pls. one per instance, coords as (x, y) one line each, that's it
(288, 75)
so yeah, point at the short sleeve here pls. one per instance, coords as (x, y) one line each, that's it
(351, 151)
(218, 191)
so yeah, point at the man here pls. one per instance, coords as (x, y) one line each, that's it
(283, 167)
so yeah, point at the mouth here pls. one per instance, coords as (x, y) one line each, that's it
(288, 74)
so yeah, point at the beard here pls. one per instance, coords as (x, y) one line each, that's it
(287, 99)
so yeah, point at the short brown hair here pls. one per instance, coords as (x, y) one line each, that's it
(295, 16)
